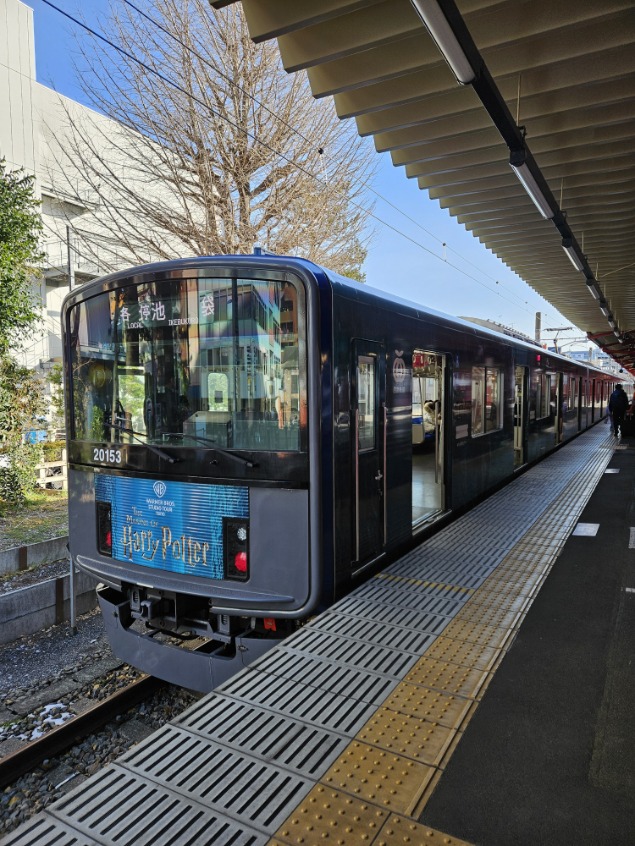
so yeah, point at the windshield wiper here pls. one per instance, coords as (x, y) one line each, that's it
(164, 455)
(226, 452)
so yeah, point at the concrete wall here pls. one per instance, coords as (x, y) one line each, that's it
(22, 557)
(17, 78)
(32, 609)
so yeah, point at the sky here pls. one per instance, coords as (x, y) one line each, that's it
(423, 254)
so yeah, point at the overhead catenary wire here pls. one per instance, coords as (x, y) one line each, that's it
(172, 83)
(320, 150)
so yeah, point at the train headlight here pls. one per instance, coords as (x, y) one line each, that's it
(236, 548)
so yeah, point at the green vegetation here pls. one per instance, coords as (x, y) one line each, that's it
(42, 516)
(21, 390)
(20, 228)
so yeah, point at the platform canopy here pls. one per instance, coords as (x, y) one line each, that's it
(518, 117)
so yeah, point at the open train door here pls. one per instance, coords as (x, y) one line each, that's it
(368, 405)
(428, 449)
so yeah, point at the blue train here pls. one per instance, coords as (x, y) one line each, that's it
(251, 435)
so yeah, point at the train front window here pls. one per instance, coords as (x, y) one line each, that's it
(192, 362)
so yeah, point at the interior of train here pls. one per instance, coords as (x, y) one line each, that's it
(427, 435)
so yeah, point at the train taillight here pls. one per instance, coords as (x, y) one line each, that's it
(104, 528)
(236, 548)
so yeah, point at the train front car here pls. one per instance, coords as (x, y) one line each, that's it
(193, 409)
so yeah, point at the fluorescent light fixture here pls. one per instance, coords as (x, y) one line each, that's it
(443, 36)
(604, 308)
(528, 181)
(593, 289)
(573, 257)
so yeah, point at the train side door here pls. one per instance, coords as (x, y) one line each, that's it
(368, 404)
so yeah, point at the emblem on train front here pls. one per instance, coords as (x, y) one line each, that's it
(159, 488)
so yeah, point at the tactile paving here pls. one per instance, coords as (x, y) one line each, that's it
(462, 652)
(407, 735)
(446, 677)
(402, 831)
(491, 636)
(428, 704)
(387, 780)
(331, 816)
(489, 615)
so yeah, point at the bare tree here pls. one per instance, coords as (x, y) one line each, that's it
(214, 147)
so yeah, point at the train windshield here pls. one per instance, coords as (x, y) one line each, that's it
(192, 362)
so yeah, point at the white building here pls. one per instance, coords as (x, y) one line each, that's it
(35, 133)
(32, 115)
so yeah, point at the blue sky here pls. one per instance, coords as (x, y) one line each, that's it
(432, 261)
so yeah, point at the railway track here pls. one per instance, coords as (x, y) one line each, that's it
(61, 738)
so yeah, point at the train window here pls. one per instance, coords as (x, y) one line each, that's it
(545, 395)
(366, 401)
(486, 400)
(192, 362)
(574, 393)
(542, 385)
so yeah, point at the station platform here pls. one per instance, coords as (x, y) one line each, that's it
(480, 690)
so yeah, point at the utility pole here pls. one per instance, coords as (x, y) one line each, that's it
(69, 255)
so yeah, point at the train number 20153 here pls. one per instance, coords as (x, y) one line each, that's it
(112, 456)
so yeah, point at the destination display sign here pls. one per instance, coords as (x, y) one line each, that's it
(149, 312)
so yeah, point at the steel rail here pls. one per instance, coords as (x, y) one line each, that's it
(59, 739)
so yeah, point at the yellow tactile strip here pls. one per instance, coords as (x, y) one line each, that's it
(470, 655)
(374, 775)
(451, 678)
(428, 704)
(331, 816)
(407, 735)
(397, 758)
(401, 830)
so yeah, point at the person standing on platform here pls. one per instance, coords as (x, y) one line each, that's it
(618, 404)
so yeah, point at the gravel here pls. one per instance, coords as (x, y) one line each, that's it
(40, 658)
(33, 792)
(25, 578)
(48, 677)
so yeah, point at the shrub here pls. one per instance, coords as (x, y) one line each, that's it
(52, 450)
(17, 471)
